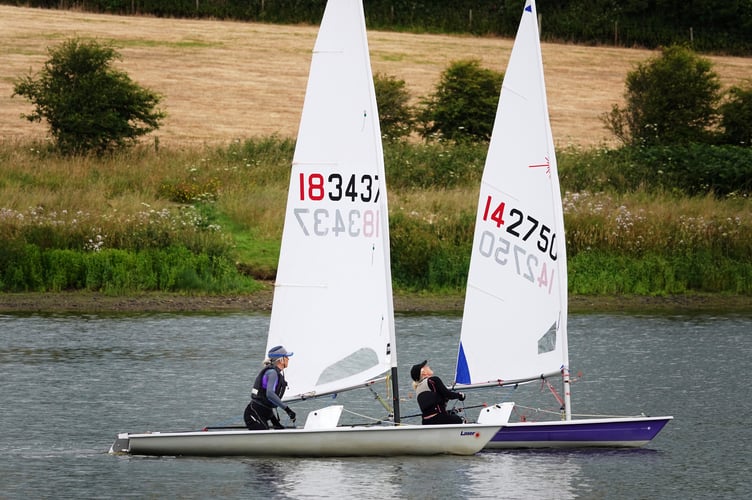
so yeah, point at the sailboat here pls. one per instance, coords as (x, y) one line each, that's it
(514, 325)
(332, 301)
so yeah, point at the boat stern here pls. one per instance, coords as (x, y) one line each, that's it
(496, 414)
(122, 444)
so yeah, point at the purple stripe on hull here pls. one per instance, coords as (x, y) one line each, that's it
(602, 432)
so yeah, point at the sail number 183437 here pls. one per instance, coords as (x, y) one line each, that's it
(337, 187)
(344, 213)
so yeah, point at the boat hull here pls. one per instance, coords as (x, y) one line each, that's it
(628, 432)
(461, 439)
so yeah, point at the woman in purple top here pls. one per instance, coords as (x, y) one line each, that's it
(268, 390)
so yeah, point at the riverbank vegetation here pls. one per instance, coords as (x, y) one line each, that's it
(209, 219)
(198, 215)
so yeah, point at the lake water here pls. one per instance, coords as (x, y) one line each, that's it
(71, 382)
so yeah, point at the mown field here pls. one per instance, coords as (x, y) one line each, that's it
(230, 80)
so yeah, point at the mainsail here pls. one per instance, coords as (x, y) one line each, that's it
(333, 297)
(514, 326)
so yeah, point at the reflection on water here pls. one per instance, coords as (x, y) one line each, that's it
(488, 475)
(70, 383)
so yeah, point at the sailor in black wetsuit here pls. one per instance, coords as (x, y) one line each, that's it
(433, 395)
(268, 390)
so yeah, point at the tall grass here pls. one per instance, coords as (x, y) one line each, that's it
(647, 244)
(65, 221)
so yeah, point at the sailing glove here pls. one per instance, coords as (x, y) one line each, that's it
(462, 396)
(290, 413)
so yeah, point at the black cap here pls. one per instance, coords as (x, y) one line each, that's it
(415, 370)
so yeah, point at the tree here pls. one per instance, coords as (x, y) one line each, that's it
(89, 105)
(670, 100)
(736, 116)
(395, 115)
(463, 107)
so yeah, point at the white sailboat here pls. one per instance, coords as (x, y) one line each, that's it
(333, 296)
(514, 326)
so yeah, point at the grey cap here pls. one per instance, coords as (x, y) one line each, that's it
(279, 352)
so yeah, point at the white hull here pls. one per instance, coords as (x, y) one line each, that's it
(461, 439)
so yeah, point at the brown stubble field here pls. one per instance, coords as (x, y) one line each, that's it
(229, 80)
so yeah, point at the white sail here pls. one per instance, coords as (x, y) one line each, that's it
(514, 326)
(333, 294)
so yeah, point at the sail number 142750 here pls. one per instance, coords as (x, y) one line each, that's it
(504, 250)
(520, 225)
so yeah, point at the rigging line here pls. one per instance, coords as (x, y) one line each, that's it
(412, 416)
(368, 418)
(553, 390)
(539, 410)
(378, 398)
(557, 412)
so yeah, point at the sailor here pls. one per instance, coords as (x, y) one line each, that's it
(433, 395)
(268, 390)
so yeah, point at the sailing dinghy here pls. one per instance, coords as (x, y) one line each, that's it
(333, 295)
(514, 325)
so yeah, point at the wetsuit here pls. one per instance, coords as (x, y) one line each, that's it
(268, 389)
(432, 397)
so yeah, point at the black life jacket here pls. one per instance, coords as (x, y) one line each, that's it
(258, 393)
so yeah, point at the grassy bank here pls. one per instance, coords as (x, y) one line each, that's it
(210, 219)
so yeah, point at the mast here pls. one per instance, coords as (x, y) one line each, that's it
(395, 396)
(559, 221)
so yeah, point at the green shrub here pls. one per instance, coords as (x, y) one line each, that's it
(736, 116)
(88, 105)
(395, 115)
(463, 107)
(670, 99)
